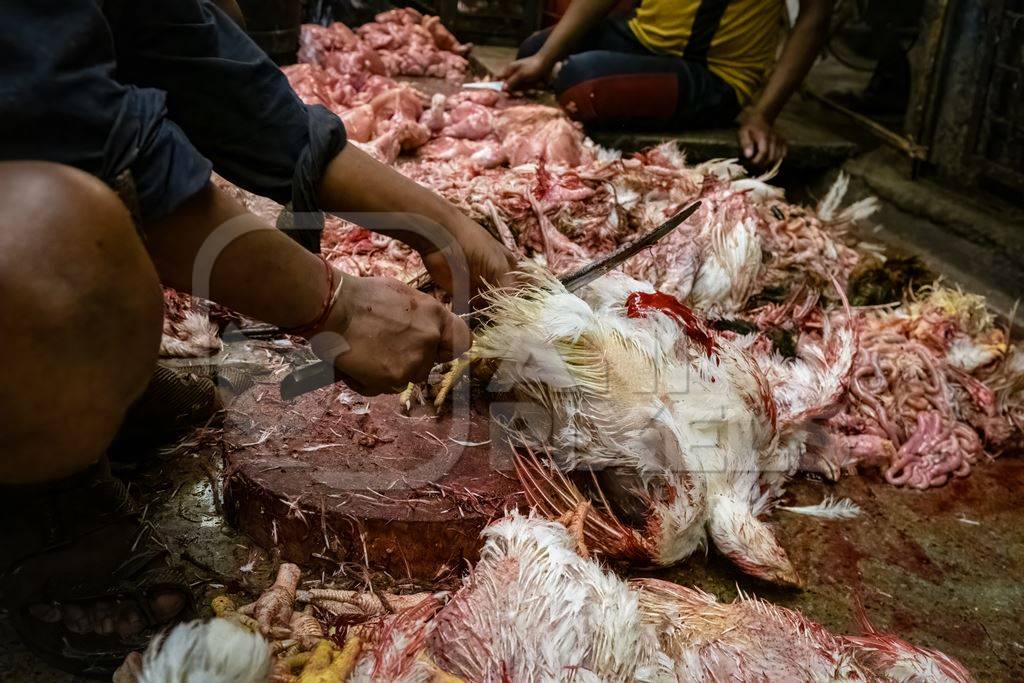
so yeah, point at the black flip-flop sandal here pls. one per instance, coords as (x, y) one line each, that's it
(90, 547)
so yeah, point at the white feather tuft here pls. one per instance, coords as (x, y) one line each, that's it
(195, 336)
(216, 651)
(829, 508)
(859, 210)
(829, 205)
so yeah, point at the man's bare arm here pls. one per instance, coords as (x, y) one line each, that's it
(579, 19)
(394, 205)
(383, 334)
(760, 143)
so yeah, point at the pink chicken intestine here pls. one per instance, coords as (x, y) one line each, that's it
(901, 395)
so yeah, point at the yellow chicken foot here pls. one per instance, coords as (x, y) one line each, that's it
(328, 665)
(573, 521)
(409, 394)
(224, 608)
(292, 662)
(458, 369)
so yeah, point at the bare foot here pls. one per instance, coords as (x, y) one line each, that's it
(108, 617)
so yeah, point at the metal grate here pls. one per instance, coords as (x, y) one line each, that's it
(1000, 142)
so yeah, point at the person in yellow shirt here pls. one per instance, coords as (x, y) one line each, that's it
(678, 63)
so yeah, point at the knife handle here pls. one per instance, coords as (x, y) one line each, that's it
(308, 378)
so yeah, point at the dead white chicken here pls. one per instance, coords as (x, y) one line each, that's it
(532, 609)
(731, 265)
(752, 640)
(713, 262)
(193, 336)
(893, 659)
(628, 381)
(747, 640)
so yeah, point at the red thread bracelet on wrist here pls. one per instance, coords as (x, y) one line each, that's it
(314, 326)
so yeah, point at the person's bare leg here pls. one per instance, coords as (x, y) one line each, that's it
(80, 318)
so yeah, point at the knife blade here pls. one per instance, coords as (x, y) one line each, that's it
(322, 373)
(496, 86)
(595, 269)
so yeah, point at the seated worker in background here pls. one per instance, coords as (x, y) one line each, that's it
(112, 115)
(676, 63)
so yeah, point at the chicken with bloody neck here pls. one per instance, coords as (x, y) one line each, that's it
(680, 422)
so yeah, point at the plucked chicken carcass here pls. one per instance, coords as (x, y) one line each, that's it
(681, 423)
(485, 132)
(399, 42)
(411, 44)
(462, 128)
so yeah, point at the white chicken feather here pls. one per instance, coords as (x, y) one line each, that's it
(200, 652)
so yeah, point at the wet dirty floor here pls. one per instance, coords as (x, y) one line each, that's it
(942, 568)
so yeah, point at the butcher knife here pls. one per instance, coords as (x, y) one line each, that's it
(321, 373)
(497, 86)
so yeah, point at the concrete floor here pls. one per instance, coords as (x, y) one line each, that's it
(942, 568)
(969, 237)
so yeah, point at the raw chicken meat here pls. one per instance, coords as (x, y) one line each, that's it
(400, 42)
(715, 262)
(358, 251)
(480, 153)
(380, 115)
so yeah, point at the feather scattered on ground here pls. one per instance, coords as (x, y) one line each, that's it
(829, 508)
